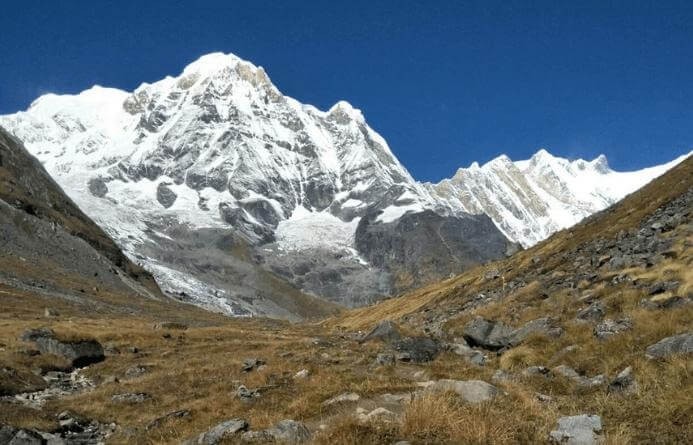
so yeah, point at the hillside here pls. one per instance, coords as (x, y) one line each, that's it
(595, 321)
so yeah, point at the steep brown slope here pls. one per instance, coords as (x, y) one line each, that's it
(48, 245)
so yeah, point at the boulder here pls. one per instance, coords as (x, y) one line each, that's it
(471, 391)
(79, 352)
(289, 432)
(495, 335)
(677, 344)
(220, 432)
(384, 331)
(471, 355)
(580, 380)
(487, 334)
(577, 430)
(416, 349)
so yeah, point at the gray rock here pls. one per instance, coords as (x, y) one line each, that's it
(246, 394)
(172, 415)
(79, 353)
(577, 430)
(471, 391)
(416, 349)
(384, 331)
(495, 335)
(593, 312)
(135, 371)
(677, 344)
(97, 187)
(624, 383)
(537, 370)
(220, 432)
(608, 327)
(16, 436)
(488, 334)
(580, 380)
(289, 432)
(165, 195)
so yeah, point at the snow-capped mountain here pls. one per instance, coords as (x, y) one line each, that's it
(530, 200)
(243, 200)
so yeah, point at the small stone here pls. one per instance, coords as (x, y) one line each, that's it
(247, 394)
(593, 312)
(471, 391)
(50, 313)
(577, 430)
(608, 327)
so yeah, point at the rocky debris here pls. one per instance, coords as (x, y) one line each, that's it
(385, 359)
(246, 394)
(346, 397)
(131, 398)
(386, 331)
(80, 352)
(58, 384)
(594, 312)
(75, 429)
(135, 371)
(577, 430)
(608, 327)
(252, 363)
(624, 383)
(172, 325)
(580, 380)
(495, 335)
(416, 349)
(217, 434)
(179, 414)
(677, 344)
(471, 391)
(287, 431)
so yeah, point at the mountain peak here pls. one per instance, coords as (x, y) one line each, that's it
(345, 109)
(601, 164)
(212, 62)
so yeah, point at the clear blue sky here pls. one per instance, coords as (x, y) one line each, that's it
(445, 82)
